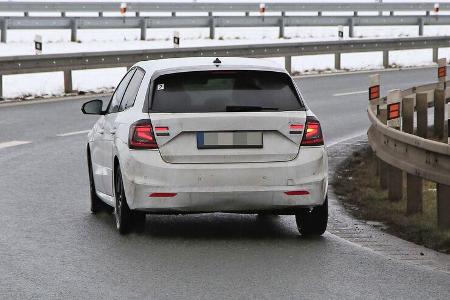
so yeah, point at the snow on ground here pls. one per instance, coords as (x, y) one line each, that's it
(20, 42)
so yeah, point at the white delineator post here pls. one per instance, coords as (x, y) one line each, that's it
(394, 108)
(442, 72)
(38, 44)
(176, 39)
(123, 8)
(374, 90)
(262, 10)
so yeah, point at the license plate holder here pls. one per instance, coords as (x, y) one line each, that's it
(229, 139)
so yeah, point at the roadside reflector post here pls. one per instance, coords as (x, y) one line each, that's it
(394, 106)
(436, 8)
(374, 91)
(123, 8)
(340, 31)
(143, 29)
(337, 60)
(38, 44)
(176, 39)
(422, 114)
(408, 114)
(288, 64)
(395, 175)
(262, 10)
(443, 206)
(439, 100)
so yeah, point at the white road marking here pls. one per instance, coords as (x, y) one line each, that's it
(349, 93)
(13, 143)
(73, 133)
(346, 138)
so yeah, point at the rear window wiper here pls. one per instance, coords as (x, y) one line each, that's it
(234, 108)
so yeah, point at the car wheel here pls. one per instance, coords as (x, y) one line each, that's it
(97, 205)
(313, 222)
(122, 212)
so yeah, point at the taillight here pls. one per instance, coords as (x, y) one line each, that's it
(141, 136)
(313, 133)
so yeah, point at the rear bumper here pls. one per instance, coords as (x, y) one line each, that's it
(240, 187)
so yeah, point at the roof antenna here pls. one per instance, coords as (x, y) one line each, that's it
(217, 62)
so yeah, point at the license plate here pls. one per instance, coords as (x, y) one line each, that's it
(229, 139)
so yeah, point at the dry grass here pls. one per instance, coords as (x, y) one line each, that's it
(356, 182)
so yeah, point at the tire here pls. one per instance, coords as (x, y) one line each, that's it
(97, 205)
(313, 222)
(126, 219)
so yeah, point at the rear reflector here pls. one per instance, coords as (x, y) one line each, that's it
(162, 195)
(162, 131)
(296, 193)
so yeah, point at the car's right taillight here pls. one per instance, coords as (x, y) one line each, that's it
(313, 133)
(141, 136)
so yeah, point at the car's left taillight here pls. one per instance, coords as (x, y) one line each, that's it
(141, 135)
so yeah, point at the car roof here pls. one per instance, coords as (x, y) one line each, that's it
(186, 64)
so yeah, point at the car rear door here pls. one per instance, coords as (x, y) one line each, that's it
(227, 117)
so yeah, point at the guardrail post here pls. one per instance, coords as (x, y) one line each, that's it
(247, 13)
(337, 60)
(391, 13)
(386, 59)
(73, 30)
(351, 24)
(319, 13)
(288, 63)
(4, 27)
(26, 14)
(143, 29)
(355, 13)
(138, 14)
(414, 194)
(435, 54)
(1, 87)
(408, 115)
(427, 13)
(100, 14)
(174, 14)
(439, 113)
(422, 114)
(281, 32)
(443, 205)
(68, 81)
(395, 184)
(382, 166)
(212, 26)
(421, 23)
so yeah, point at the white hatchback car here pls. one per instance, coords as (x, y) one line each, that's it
(199, 135)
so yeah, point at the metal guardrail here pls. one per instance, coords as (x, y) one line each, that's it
(214, 6)
(282, 21)
(418, 157)
(212, 22)
(94, 60)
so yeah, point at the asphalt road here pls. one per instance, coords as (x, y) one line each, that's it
(52, 247)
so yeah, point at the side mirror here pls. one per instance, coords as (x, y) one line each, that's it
(93, 107)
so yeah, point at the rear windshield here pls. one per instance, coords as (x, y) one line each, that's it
(221, 91)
